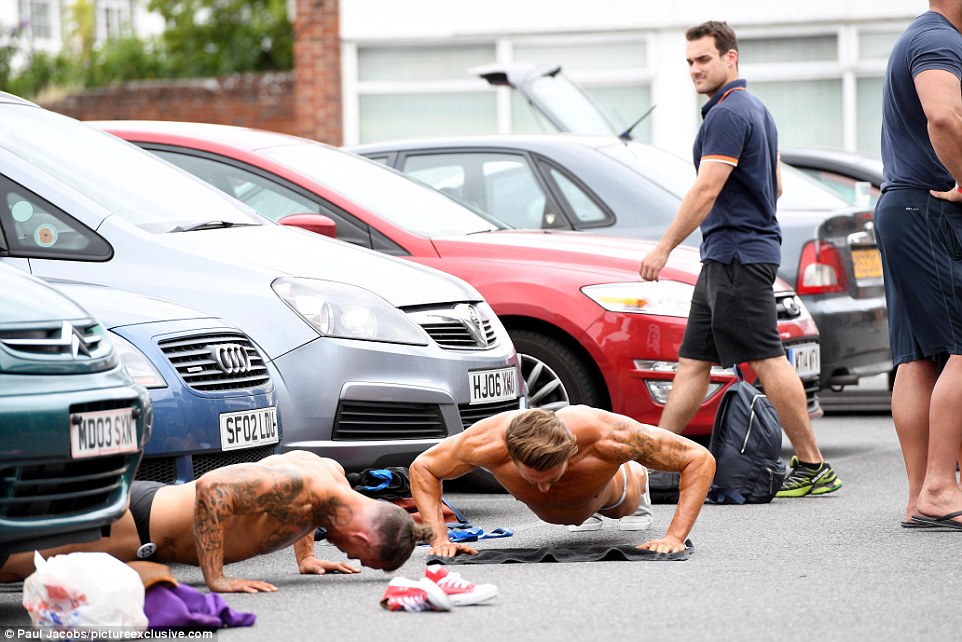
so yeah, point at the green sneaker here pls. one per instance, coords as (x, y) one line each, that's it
(805, 481)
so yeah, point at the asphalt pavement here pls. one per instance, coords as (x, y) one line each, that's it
(835, 567)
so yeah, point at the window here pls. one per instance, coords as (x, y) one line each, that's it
(808, 113)
(39, 15)
(788, 50)
(424, 90)
(267, 196)
(113, 18)
(32, 227)
(387, 116)
(582, 207)
(501, 184)
(421, 63)
(869, 109)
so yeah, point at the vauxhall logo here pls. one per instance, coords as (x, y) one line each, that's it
(231, 358)
(471, 320)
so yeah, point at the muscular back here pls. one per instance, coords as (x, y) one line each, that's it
(264, 506)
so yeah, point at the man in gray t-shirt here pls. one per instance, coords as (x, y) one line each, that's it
(918, 223)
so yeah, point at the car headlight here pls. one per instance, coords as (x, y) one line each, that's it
(347, 311)
(660, 298)
(138, 366)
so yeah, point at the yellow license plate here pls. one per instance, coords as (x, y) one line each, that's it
(868, 264)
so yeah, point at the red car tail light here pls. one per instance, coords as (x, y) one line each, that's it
(821, 269)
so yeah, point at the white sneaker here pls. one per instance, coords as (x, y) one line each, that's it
(642, 518)
(460, 591)
(593, 523)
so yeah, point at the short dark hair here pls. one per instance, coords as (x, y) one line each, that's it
(724, 36)
(397, 534)
(539, 440)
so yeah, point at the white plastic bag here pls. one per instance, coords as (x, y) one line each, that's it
(84, 589)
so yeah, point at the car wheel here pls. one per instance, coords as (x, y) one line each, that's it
(556, 376)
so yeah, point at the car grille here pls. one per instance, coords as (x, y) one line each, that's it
(474, 413)
(212, 461)
(378, 420)
(80, 339)
(164, 469)
(216, 362)
(462, 327)
(60, 488)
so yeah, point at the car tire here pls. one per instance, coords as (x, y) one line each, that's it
(556, 376)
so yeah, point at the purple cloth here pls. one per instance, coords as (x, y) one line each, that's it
(183, 607)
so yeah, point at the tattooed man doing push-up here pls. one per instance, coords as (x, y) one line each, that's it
(236, 512)
(570, 467)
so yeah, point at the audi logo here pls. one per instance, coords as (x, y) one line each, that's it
(231, 358)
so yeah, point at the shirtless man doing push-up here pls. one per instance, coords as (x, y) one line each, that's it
(236, 512)
(566, 466)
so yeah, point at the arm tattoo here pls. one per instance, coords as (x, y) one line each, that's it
(644, 447)
(241, 494)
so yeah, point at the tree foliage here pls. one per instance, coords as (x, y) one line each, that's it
(213, 37)
(203, 38)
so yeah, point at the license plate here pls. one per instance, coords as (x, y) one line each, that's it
(493, 385)
(868, 264)
(248, 428)
(102, 432)
(805, 359)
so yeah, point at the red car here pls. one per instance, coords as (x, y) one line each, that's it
(587, 329)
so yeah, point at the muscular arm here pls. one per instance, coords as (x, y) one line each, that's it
(240, 490)
(939, 93)
(309, 564)
(657, 448)
(692, 212)
(443, 461)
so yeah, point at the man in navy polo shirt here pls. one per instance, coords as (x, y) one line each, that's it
(733, 318)
(918, 223)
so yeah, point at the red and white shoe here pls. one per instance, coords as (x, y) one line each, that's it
(403, 594)
(459, 590)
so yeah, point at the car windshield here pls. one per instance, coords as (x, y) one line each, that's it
(130, 183)
(391, 195)
(675, 174)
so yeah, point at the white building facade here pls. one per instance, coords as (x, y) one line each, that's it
(45, 25)
(818, 65)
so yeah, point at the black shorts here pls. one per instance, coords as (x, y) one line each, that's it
(733, 317)
(920, 239)
(141, 498)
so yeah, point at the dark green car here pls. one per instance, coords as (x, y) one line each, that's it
(72, 422)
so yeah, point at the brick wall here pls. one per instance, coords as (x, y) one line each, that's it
(306, 103)
(264, 100)
(317, 59)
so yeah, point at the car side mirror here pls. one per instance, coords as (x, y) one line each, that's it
(317, 223)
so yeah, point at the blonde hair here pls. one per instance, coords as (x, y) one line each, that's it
(539, 440)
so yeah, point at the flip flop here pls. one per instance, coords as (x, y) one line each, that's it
(498, 533)
(911, 524)
(944, 521)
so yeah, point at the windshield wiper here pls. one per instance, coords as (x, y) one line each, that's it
(209, 225)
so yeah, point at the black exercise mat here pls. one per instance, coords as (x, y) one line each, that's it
(553, 554)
